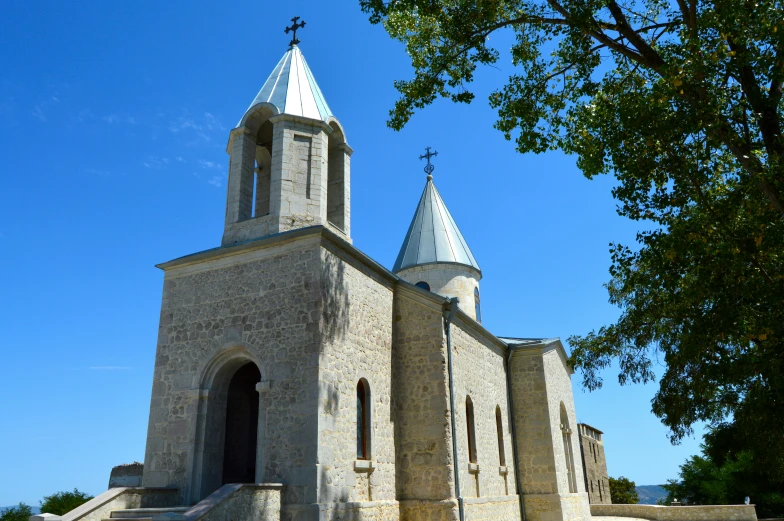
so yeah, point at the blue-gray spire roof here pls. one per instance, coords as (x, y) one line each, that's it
(293, 90)
(433, 235)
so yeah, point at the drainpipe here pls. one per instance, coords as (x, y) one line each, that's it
(450, 308)
(510, 400)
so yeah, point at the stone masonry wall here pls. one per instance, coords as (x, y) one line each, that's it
(357, 325)
(535, 454)
(299, 172)
(421, 404)
(480, 374)
(559, 391)
(265, 302)
(682, 513)
(245, 503)
(448, 280)
(595, 467)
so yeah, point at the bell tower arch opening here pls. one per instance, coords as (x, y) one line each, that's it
(338, 178)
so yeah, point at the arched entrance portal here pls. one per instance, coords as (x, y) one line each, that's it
(242, 421)
(229, 426)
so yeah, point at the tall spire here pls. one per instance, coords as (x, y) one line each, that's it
(293, 90)
(433, 236)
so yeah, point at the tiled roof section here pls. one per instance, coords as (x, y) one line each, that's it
(433, 236)
(293, 90)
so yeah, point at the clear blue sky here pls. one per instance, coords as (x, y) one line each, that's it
(114, 118)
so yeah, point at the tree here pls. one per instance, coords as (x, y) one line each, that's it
(723, 477)
(681, 102)
(17, 513)
(63, 502)
(623, 491)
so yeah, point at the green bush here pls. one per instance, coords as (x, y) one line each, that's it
(63, 502)
(18, 513)
(623, 491)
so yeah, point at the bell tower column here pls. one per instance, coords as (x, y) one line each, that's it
(240, 191)
(298, 188)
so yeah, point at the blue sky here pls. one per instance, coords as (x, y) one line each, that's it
(114, 118)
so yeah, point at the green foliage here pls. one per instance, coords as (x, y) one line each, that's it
(682, 103)
(17, 513)
(63, 502)
(623, 491)
(725, 477)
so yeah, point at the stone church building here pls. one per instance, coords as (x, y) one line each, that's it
(289, 361)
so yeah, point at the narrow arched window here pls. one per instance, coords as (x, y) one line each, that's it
(477, 309)
(566, 433)
(500, 428)
(363, 420)
(422, 284)
(471, 430)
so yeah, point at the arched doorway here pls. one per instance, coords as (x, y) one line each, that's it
(241, 428)
(229, 426)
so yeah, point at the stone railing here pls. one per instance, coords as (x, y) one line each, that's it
(680, 513)
(120, 498)
(251, 502)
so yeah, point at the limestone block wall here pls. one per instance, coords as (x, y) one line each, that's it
(536, 458)
(424, 479)
(239, 503)
(574, 505)
(298, 189)
(357, 343)
(479, 373)
(447, 280)
(682, 513)
(262, 305)
(559, 393)
(597, 482)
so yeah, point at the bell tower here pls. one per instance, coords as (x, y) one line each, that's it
(289, 161)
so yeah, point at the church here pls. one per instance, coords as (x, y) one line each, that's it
(298, 379)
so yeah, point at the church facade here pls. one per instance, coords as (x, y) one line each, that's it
(287, 356)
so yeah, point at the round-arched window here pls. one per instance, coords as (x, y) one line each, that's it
(477, 309)
(422, 284)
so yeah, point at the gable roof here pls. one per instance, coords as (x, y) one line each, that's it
(433, 236)
(293, 90)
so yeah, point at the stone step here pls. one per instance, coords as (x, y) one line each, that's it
(135, 514)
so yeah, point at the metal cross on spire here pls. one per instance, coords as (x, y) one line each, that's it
(429, 167)
(294, 41)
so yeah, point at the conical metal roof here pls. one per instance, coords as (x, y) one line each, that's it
(433, 235)
(293, 90)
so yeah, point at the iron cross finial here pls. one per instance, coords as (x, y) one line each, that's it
(294, 27)
(429, 168)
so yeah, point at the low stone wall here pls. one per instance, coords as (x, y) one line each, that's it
(241, 502)
(101, 506)
(499, 508)
(683, 513)
(126, 475)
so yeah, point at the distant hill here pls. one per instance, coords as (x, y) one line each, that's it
(36, 510)
(649, 494)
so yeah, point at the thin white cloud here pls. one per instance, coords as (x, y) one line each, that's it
(111, 119)
(179, 159)
(216, 181)
(155, 162)
(209, 164)
(39, 113)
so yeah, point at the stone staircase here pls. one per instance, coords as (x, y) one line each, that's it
(144, 514)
